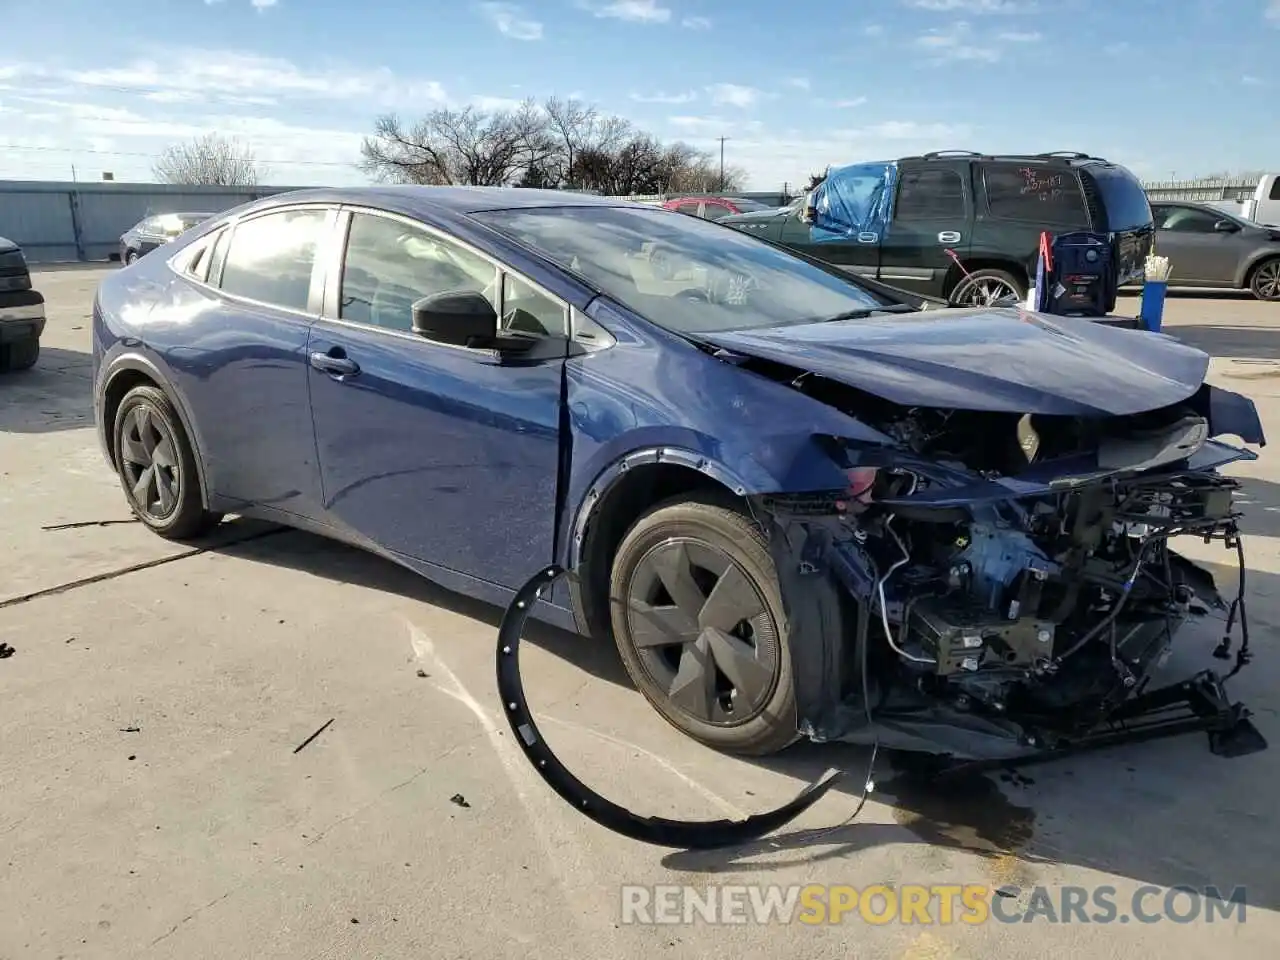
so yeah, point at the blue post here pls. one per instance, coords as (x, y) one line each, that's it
(1152, 311)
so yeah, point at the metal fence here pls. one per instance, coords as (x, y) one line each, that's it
(56, 221)
(1203, 190)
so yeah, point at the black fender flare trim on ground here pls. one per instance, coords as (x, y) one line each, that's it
(659, 831)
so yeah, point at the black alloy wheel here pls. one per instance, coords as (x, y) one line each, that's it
(157, 466)
(699, 622)
(149, 463)
(130, 256)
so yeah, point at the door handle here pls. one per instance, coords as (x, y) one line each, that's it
(949, 236)
(335, 363)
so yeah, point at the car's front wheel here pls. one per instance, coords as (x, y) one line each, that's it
(157, 466)
(698, 619)
(131, 256)
(1265, 281)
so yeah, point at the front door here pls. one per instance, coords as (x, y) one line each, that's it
(932, 219)
(444, 454)
(1198, 253)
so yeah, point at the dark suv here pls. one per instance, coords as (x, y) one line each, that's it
(901, 221)
(21, 311)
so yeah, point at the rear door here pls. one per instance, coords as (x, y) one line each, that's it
(932, 214)
(1198, 253)
(1017, 200)
(444, 454)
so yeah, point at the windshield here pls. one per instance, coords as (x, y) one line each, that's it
(685, 274)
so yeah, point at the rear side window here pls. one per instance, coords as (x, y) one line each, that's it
(1275, 189)
(930, 194)
(1124, 202)
(690, 208)
(1034, 193)
(713, 211)
(271, 257)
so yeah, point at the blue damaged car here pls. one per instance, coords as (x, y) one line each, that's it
(801, 503)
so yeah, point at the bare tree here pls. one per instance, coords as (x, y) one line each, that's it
(212, 160)
(460, 147)
(558, 144)
(815, 180)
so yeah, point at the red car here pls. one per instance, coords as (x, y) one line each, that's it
(713, 208)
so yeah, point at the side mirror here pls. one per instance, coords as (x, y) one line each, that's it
(1226, 226)
(461, 318)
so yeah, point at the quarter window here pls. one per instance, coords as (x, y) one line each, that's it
(930, 195)
(690, 208)
(1035, 193)
(713, 211)
(271, 257)
(389, 265)
(526, 310)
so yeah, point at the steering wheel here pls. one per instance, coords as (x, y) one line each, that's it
(696, 294)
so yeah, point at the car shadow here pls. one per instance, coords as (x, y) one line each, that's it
(56, 394)
(335, 561)
(1166, 812)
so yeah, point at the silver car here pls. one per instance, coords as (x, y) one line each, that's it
(1207, 247)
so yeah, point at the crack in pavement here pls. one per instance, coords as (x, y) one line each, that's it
(135, 567)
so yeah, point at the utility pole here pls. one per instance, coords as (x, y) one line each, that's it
(722, 140)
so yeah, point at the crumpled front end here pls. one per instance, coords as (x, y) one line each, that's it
(1004, 584)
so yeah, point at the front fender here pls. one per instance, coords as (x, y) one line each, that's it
(1242, 276)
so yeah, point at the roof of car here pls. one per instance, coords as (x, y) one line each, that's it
(457, 200)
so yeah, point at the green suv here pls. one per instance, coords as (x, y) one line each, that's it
(962, 226)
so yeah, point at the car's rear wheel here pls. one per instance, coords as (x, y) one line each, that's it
(1265, 281)
(130, 256)
(697, 615)
(981, 288)
(19, 355)
(157, 466)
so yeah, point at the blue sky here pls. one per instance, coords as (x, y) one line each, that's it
(1180, 87)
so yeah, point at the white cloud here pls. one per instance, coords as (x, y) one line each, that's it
(510, 21)
(263, 4)
(714, 126)
(1273, 12)
(873, 30)
(733, 95)
(494, 104)
(1251, 81)
(687, 97)
(219, 74)
(800, 83)
(634, 11)
(1116, 49)
(696, 23)
(850, 103)
(957, 43)
(974, 6)
(1020, 36)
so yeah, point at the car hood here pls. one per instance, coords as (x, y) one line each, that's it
(987, 358)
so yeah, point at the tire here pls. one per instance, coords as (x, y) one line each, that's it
(130, 257)
(988, 277)
(19, 355)
(146, 425)
(704, 532)
(1264, 280)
